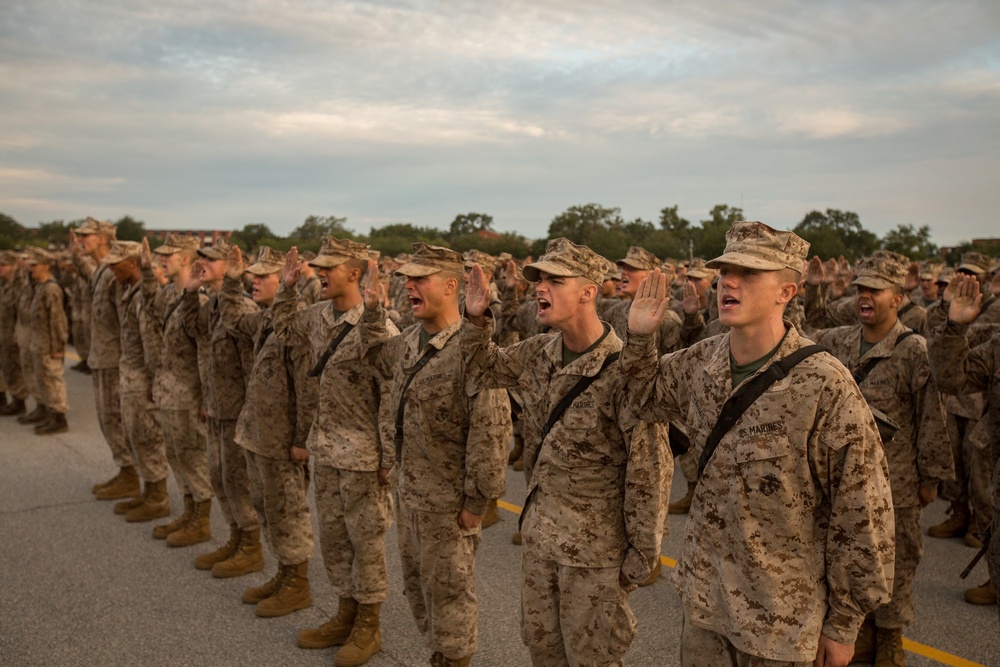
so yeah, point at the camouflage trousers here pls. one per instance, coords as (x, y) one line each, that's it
(689, 466)
(993, 561)
(10, 362)
(81, 338)
(574, 616)
(705, 648)
(278, 488)
(51, 384)
(973, 469)
(355, 511)
(184, 434)
(109, 414)
(26, 362)
(227, 466)
(141, 421)
(901, 611)
(439, 578)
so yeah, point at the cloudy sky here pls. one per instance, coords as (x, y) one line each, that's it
(194, 113)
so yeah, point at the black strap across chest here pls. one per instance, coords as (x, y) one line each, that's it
(750, 391)
(862, 373)
(331, 348)
(571, 395)
(410, 373)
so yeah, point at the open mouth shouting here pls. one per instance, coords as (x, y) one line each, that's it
(866, 309)
(544, 307)
(728, 302)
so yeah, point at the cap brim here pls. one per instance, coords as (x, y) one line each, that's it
(973, 268)
(84, 232)
(328, 261)
(166, 250)
(212, 255)
(417, 270)
(633, 265)
(532, 271)
(259, 269)
(873, 282)
(745, 260)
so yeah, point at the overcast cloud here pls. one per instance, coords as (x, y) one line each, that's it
(218, 114)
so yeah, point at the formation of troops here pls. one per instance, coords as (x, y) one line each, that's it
(394, 387)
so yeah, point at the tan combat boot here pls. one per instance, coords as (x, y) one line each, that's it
(208, 560)
(982, 595)
(155, 505)
(365, 640)
(492, 514)
(125, 506)
(955, 525)
(889, 648)
(161, 532)
(683, 506)
(248, 557)
(517, 452)
(292, 595)
(334, 632)
(456, 662)
(516, 538)
(36, 416)
(255, 594)
(125, 485)
(195, 531)
(56, 423)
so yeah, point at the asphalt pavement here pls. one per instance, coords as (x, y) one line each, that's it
(80, 586)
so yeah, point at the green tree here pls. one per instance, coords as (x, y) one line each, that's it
(11, 232)
(469, 223)
(315, 227)
(130, 229)
(913, 242)
(836, 233)
(579, 223)
(399, 237)
(252, 235)
(710, 237)
(55, 232)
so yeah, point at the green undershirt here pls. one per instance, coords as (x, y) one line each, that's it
(568, 356)
(741, 372)
(866, 347)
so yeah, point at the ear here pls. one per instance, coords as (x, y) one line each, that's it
(589, 291)
(897, 299)
(787, 292)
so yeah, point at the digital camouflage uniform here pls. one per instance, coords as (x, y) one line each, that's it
(819, 314)
(140, 344)
(596, 497)
(961, 371)
(22, 332)
(444, 466)
(918, 455)
(177, 388)
(49, 332)
(278, 409)
(228, 360)
(310, 290)
(10, 356)
(105, 344)
(355, 511)
(81, 304)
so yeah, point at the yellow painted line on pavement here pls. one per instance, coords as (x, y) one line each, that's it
(72, 355)
(908, 644)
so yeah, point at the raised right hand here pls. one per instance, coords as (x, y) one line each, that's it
(477, 294)
(290, 273)
(815, 273)
(650, 304)
(369, 286)
(234, 263)
(145, 256)
(965, 306)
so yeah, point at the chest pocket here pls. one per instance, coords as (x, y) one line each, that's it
(764, 464)
(438, 403)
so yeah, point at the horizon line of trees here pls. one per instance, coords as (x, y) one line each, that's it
(831, 233)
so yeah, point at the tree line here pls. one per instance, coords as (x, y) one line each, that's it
(831, 233)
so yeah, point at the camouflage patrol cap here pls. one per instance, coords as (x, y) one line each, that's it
(564, 258)
(335, 252)
(95, 226)
(880, 271)
(8, 257)
(402, 258)
(218, 250)
(505, 257)
(122, 250)
(754, 245)
(268, 261)
(485, 260)
(930, 269)
(639, 258)
(430, 259)
(946, 276)
(975, 262)
(307, 256)
(35, 255)
(697, 269)
(177, 243)
(375, 254)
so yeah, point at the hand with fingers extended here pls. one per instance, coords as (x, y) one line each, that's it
(650, 303)
(838, 287)
(510, 274)
(290, 272)
(966, 302)
(196, 277)
(816, 272)
(234, 263)
(912, 280)
(477, 296)
(369, 286)
(145, 255)
(692, 300)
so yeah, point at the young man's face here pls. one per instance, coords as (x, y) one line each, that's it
(631, 277)
(172, 264)
(5, 271)
(749, 296)
(876, 306)
(335, 281)
(559, 299)
(265, 288)
(213, 270)
(929, 289)
(88, 243)
(701, 284)
(39, 272)
(429, 294)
